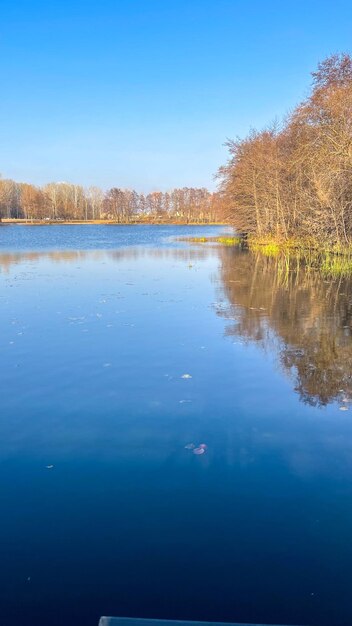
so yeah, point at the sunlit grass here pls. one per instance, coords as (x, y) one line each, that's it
(332, 260)
(336, 265)
(225, 241)
(267, 249)
(229, 241)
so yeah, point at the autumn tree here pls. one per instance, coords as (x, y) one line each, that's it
(296, 180)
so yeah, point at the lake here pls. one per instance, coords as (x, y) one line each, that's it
(120, 347)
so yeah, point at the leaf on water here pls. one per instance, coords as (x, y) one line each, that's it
(198, 451)
(186, 376)
(189, 446)
(49, 466)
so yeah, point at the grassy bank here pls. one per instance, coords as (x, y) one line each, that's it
(225, 241)
(333, 260)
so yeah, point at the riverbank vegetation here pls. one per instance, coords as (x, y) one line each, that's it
(67, 202)
(290, 185)
(332, 262)
(228, 240)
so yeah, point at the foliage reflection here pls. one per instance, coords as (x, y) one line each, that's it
(306, 319)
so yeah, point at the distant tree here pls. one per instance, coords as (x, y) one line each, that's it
(32, 201)
(95, 198)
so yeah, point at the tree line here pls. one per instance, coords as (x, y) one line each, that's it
(65, 201)
(294, 179)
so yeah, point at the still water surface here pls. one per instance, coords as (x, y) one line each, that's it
(103, 510)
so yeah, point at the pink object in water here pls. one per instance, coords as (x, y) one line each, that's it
(198, 451)
(203, 445)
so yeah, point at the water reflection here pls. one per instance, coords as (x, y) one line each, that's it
(8, 259)
(287, 309)
(294, 311)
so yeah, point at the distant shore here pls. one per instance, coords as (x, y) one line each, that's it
(36, 222)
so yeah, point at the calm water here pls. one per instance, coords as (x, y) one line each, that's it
(98, 327)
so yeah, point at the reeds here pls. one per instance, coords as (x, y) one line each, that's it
(333, 260)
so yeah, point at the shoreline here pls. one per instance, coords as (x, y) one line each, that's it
(24, 222)
(332, 260)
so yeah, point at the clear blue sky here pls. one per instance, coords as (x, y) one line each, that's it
(143, 93)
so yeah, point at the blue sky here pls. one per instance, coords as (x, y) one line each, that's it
(143, 94)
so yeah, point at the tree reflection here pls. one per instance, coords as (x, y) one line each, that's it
(307, 320)
(188, 255)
